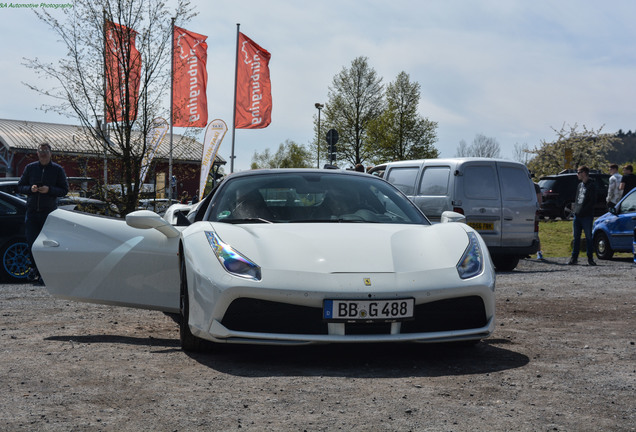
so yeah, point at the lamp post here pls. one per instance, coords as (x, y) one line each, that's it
(319, 106)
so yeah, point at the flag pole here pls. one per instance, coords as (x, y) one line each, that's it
(104, 126)
(171, 108)
(238, 25)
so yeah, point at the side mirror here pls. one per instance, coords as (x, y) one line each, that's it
(451, 216)
(613, 210)
(145, 219)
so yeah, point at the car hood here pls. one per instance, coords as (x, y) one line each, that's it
(604, 218)
(347, 248)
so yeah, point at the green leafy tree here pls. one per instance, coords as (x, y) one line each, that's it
(81, 94)
(572, 148)
(400, 133)
(355, 99)
(289, 155)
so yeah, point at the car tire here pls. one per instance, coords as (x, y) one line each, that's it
(16, 262)
(505, 262)
(568, 211)
(602, 246)
(189, 342)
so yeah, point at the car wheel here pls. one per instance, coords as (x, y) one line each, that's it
(568, 211)
(16, 262)
(602, 246)
(505, 262)
(189, 342)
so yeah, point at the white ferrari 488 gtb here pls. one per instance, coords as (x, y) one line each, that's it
(287, 257)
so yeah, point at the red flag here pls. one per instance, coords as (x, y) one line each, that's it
(253, 87)
(190, 79)
(123, 72)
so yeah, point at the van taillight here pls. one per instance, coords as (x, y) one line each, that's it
(458, 210)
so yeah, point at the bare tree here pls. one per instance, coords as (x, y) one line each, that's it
(522, 153)
(482, 146)
(462, 149)
(81, 92)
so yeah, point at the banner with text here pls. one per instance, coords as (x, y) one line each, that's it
(190, 79)
(123, 73)
(211, 142)
(156, 134)
(253, 86)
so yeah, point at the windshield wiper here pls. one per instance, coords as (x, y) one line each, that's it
(246, 220)
(340, 220)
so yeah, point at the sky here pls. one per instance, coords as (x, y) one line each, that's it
(513, 70)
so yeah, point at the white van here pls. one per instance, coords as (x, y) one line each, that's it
(497, 197)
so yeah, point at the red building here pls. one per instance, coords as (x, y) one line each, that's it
(80, 155)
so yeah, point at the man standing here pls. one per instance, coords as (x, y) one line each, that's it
(583, 215)
(614, 194)
(628, 182)
(43, 182)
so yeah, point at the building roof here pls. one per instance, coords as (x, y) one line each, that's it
(25, 136)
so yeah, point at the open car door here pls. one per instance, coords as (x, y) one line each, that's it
(103, 260)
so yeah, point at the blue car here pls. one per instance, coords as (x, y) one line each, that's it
(614, 231)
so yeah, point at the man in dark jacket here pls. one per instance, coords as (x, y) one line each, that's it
(583, 215)
(42, 182)
(628, 181)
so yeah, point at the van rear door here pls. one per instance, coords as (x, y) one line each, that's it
(519, 205)
(477, 192)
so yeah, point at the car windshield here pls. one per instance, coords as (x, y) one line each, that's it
(297, 197)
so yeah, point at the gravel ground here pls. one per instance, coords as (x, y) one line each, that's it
(561, 359)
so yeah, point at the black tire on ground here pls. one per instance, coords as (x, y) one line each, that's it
(15, 262)
(189, 342)
(602, 246)
(505, 262)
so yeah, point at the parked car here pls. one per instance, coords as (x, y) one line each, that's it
(614, 231)
(13, 246)
(77, 199)
(558, 192)
(9, 186)
(287, 257)
(157, 205)
(496, 196)
(87, 205)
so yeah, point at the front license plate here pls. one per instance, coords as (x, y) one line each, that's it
(368, 310)
(482, 226)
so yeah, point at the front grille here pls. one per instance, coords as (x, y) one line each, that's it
(262, 316)
(446, 315)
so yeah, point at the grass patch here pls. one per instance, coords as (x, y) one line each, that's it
(556, 239)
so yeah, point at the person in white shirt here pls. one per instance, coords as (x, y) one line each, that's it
(614, 193)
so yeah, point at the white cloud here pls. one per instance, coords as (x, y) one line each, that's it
(509, 69)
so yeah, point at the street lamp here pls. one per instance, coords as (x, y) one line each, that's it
(319, 106)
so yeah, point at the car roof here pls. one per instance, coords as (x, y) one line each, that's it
(257, 172)
(449, 161)
(11, 197)
(572, 174)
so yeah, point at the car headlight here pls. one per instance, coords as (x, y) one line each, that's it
(472, 262)
(231, 259)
